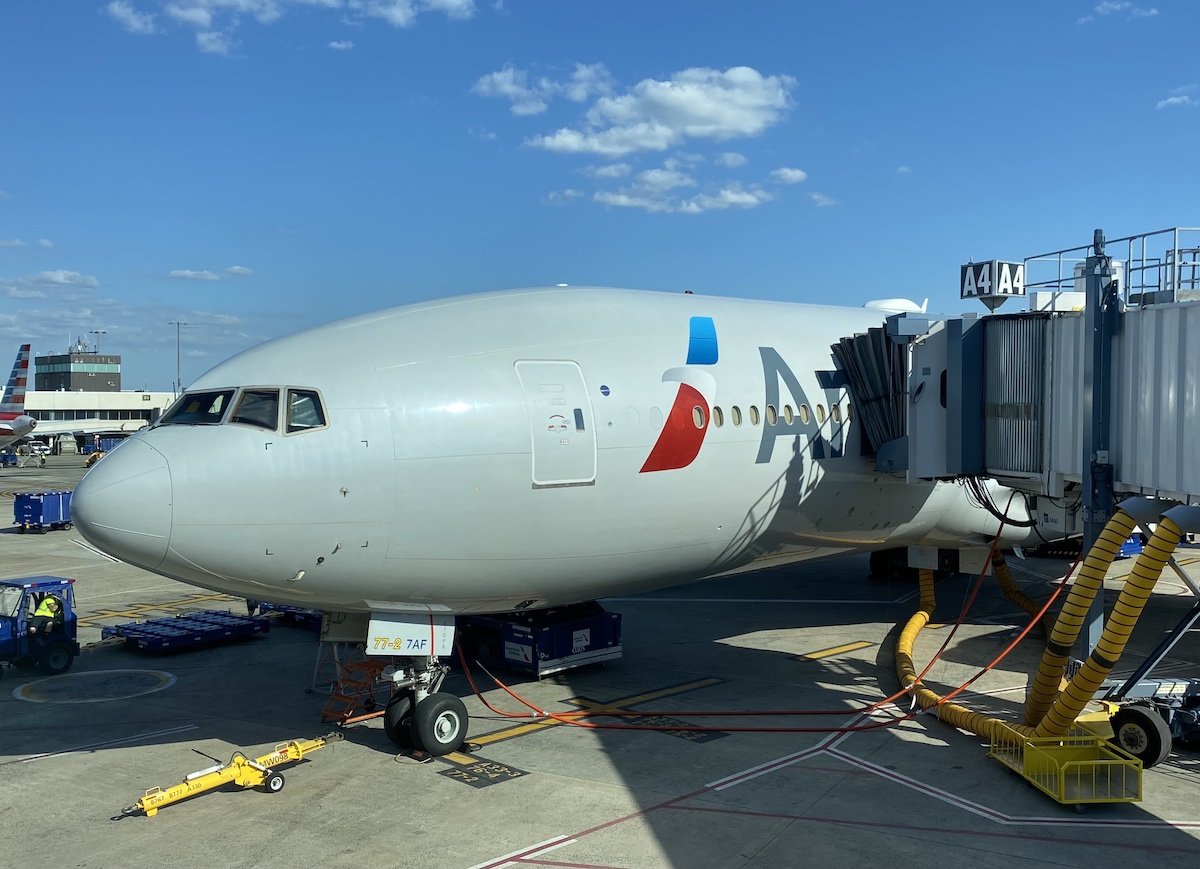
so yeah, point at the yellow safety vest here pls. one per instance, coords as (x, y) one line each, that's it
(43, 609)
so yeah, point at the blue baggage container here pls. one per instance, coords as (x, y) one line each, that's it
(42, 510)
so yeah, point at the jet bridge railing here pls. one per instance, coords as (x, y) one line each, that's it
(1157, 267)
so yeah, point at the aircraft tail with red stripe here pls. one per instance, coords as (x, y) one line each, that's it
(13, 404)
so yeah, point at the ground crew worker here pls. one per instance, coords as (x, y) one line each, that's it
(47, 614)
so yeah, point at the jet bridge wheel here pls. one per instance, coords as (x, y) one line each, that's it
(1142, 732)
(440, 724)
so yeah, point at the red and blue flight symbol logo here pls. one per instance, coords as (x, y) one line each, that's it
(679, 441)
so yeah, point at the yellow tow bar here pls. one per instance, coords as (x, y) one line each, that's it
(241, 770)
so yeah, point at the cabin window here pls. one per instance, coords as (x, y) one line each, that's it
(788, 414)
(735, 414)
(698, 416)
(820, 413)
(754, 414)
(836, 413)
(718, 417)
(849, 412)
(304, 410)
(804, 415)
(258, 407)
(772, 416)
(199, 408)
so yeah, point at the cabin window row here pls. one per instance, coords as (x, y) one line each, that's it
(772, 415)
(257, 407)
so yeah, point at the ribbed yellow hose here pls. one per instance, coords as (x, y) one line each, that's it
(1117, 628)
(1073, 614)
(1013, 593)
(951, 713)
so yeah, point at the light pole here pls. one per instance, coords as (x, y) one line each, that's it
(177, 324)
(97, 333)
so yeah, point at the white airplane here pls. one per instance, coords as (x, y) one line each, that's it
(512, 451)
(14, 422)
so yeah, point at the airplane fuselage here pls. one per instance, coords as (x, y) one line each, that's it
(519, 449)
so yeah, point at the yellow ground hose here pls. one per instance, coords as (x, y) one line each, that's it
(1117, 628)
(1073, 614)
(1066, 708)
(1014, 594)
(951, 713)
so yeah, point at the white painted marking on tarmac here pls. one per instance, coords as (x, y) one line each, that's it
(28, 691)
(96, 551)
(169, 731)
(512, 857)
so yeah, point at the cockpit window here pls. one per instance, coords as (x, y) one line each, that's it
(199, 408)
(304, 410)
(258, 407)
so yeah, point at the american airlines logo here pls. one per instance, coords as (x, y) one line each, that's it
(683, 432)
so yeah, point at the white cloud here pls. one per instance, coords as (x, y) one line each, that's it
(697, 103)
(194, 275)
(403, 13)
(903, 170)
(588, 80)
(1180, 96)
(22, 291)
(193, 14)
(823, 201)
(788, 175)
(63, 278)
(526, 98)
(341, 45)
(612, 170)
(239, 271)
(1181, 100)
(661, 180)
(1111, 7)
(11, 242)
(45, 243)
(732, 159)
(482, 133)
(216, 20)
(562, 197)
(213, 42)
(123, 13)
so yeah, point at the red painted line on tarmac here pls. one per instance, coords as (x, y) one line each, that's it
(538, 862)
(883, 825)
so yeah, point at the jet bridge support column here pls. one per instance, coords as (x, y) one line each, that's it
(1102, 322)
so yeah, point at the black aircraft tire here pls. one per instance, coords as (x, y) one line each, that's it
(441, 724)
(1142, 732)
(273, 783)
(56, 657)
(397, 720)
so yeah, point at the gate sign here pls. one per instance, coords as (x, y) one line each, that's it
(992, 282)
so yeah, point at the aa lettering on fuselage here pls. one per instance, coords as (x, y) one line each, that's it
(776, 369)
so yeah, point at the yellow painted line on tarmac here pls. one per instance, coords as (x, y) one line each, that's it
(609, 706)
(459, 758)
(835, 650)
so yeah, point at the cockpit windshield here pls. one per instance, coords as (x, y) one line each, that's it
(258, 407)
(199, 408)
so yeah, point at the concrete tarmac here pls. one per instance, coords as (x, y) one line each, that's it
(79, 747)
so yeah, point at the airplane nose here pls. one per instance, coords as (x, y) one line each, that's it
(123, 504)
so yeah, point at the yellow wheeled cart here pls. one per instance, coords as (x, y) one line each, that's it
(241, 770)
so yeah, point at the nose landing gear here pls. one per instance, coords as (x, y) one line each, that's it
(421, 716)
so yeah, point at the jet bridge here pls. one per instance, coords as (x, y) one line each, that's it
(1013, 395)
(1089, 396)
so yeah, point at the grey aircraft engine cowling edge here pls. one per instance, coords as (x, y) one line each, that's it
(516, 449)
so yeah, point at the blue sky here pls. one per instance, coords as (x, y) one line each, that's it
(254, 167)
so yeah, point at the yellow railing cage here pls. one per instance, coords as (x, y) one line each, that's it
(1073, 769)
